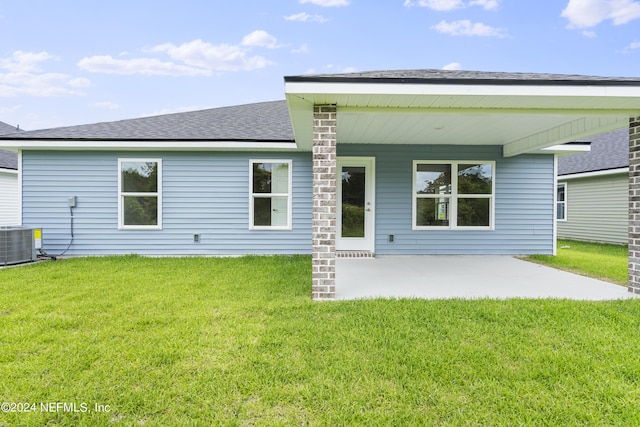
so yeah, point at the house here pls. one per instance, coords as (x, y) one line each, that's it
(9, 199)
(593, 193)
(386, 163)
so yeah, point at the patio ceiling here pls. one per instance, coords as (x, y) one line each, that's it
(523, 117)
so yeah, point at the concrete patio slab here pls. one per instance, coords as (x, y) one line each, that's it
(464, 276)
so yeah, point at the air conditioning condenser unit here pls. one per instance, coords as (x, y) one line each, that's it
(19, 244)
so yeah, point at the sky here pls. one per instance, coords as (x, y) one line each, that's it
(71, 62)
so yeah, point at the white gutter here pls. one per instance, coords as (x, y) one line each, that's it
(593, 174)
(28, 144)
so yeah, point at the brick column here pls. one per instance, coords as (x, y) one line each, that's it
(634, 205)
(324, 203)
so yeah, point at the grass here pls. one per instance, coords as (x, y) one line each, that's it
(599, 260)
(238, 342)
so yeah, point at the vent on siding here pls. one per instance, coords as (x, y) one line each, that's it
(17, 245)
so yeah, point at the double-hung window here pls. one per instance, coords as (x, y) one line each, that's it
(453, 195)
(561, 201)
(140, 194)
(270, 194)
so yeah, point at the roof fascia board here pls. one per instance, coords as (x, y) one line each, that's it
(586, 89)
(9, 171)
(567, 149)
(43, 144)
(601, 81)
(593, 174)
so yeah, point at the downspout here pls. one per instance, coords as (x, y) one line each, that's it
(20, 213)
(554, 209)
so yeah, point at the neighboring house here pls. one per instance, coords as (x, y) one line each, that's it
(9, 192)
(389, 162)
(593, 191)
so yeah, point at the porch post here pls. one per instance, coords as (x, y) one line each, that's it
(634, 205)
(324, 203)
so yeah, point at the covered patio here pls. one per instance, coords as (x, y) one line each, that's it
(521, 115)
(465, 276)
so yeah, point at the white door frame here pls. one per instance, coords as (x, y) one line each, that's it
(367, 243)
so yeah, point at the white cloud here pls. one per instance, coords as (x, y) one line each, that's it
(24, 62)
(589, 34)
(633, 46)
(441, 5)
(486, 4)
(145, 66)
(305, 17)
(260, 38)
(24, 77)
(468, 28)
(107, 105)
(302, 49)
(79, 82)
(453, 66)
(209, 57)
(40, 85)
(194, 58)
(327, 3)
(447, 5)
(589, 13)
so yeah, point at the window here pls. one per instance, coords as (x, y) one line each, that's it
(140, 194)
(561, 201)
(270, 195)
(453, 194)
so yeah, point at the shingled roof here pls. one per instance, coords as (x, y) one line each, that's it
(608, 151)
(435, 76)
(264, 121)
(6, 129)
(8, 159)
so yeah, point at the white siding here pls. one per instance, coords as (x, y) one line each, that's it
(9, 206)
(597, 209)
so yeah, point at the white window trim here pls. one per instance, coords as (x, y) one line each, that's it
(288, 195)
(158, 194)
(566, 200)
(454, 196)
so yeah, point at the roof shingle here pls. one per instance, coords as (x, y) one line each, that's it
(264, 121)
(436, 76)
(8, 159)
(608, 151)
(6, 129)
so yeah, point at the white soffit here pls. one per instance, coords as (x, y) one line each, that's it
(521, 118)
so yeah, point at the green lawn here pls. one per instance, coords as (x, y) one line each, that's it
(600, 260)
(237, 341)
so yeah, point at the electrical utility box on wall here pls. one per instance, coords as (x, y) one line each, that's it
(19, 244)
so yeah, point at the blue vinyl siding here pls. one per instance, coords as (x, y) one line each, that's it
(204, 193)
(207, 193)
(523, 202)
